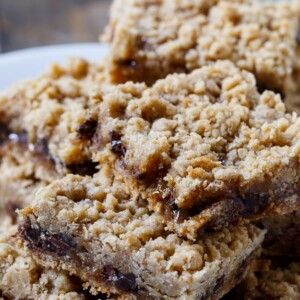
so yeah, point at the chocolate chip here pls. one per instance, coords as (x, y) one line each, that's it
(143, 44)
(129, 63)
(254, 202)
(123, 282)
(87, 168)
(109, 272)
(41, 239)
(126, 282)
(4, 133)
(87, 129)
(174, 212)
(138, 175)
(116, 143)
(172, 206)
(31, 235)
(58, 243)
(219, 283)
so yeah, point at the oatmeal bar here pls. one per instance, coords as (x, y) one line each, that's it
(43, 127)
(93, 229)
(21, 277)
(205, 149)
(270, 280)
(153, 38)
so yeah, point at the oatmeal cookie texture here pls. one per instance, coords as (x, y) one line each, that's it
(206, 149)
(269, 280)
(93, 229)
(21, 277)
(153, 38)
(44, 130)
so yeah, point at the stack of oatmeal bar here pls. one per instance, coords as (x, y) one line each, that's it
(169, 170)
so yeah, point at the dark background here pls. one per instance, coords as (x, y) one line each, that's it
(30, 23)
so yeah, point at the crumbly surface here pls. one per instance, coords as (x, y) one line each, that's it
(45, 113)
(40, 134)
(21, 277)
(39, 142)
(283, 235)
(205, 149)
(151, 39)
(267, 280)
(92, 228)
(21, 175)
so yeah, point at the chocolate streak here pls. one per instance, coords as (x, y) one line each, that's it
(123, 282)
(64, 247)
(40, 239)
(226, 209)
(40, 149)
(86, 168)
(87, 129)
(116, 143)
(4, 133)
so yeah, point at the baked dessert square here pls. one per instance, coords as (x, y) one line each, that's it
(205, 149)
(92, 228)
(151, 39)
(42, 127)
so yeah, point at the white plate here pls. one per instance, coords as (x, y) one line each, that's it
(24, 64)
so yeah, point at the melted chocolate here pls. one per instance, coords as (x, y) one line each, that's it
(130, 63)
(123, 282)
(87, 168)
(4, 133)
(39, 148)
(59, 244)
(219, 285)
(116, 143)
(87, 129)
